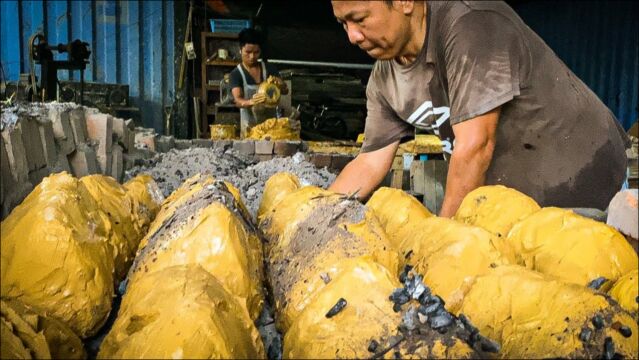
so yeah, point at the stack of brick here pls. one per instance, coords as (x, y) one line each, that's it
(41, 139)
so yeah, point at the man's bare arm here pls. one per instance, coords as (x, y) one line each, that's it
(365, 172)
(471, 157)
(241, 102)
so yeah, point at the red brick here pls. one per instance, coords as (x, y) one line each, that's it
(32, 144)
(48, 143)
(83, 161)
(129, 142)
(7, 182)
(244, 147)
(119, 128)
(263, 157)
(264, 147)
(16, 154)
(165, 143)
(204, 143)
(62, 131)
(286, 148)
(145, 138)
(320, 160)
(100, 129)
(223, 144)
(182, 144)
(78, 125)
(117, 163)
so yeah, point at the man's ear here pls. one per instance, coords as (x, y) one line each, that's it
(405, 6)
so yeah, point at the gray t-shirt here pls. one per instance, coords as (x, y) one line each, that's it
(556, 140)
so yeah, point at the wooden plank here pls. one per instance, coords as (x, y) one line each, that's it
(428, 178)
(396, 179)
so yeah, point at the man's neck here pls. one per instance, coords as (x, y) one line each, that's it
(250, 67)
(416, 43)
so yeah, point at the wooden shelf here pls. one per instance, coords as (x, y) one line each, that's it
(222, 63)
(214, 70)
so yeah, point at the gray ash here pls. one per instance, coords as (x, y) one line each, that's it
(170, 169)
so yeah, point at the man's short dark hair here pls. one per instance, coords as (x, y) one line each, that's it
(250, 36)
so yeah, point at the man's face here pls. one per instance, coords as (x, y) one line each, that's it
(377, 28)
(250, 54)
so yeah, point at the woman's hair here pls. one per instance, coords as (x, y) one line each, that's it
(250, 36)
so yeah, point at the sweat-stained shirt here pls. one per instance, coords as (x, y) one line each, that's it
(556, 141)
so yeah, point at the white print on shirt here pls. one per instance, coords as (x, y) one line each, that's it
(422, 118)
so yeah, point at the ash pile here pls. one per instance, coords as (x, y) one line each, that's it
(170, 169)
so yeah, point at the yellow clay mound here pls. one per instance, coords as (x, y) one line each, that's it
(202, 223)
(450, 255)
(278, 185)
(56, 255)
(149, 198)
(626, 292)
(495, 208)
(40, 336)
(294, 227)
(125, 225)
(399, 213)
(365, 286)
(536, 316)
(181, 312)
(571, 247)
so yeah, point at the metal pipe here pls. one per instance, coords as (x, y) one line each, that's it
(322, 63)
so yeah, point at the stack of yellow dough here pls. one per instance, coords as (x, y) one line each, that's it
(626, 292)
(64, 246)
(447, 253)
(533, 314)
(27, 334)
(205, 223)
(324, 249)
(274, 129)
(181, 312)
(194, 288)
(536, 316)
(552, 241)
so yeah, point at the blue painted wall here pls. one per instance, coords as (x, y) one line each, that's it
(131, 42)
(598, 41)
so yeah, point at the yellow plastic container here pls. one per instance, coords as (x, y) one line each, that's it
(223, 132)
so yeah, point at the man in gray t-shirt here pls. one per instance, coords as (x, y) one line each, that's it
(508, 110)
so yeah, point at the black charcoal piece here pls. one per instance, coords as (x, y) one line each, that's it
(585, 334)
(609, 348)
(597, 321)
(596, 283)
(339, 306)
(372, 346)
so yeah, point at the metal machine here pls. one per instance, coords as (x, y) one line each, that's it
(41, 52)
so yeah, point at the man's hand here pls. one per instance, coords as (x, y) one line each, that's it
(280, 84)
(257, 99)
(472, 154)
(365, 172)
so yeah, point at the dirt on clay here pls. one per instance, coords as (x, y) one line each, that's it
(171, 169)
